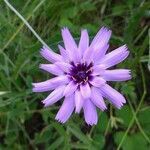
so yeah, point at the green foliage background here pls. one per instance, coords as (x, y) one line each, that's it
(24, 123)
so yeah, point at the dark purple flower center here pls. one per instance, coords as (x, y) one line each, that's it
(82, 75)
(81, 72)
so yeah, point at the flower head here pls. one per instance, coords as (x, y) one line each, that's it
(82, 73)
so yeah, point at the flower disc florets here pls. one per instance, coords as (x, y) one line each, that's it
(81, 73)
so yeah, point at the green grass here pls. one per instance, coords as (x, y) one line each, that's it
(24, 123)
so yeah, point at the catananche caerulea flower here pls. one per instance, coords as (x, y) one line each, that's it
(82, 72)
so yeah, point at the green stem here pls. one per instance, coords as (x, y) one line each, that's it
(25, 22)
(138, 123)
(137, 110)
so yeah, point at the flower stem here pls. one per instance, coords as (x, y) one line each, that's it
(25, 22)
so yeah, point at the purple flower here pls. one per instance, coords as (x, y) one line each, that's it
(82, 74)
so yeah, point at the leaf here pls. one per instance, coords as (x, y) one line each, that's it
(135, 141)
(78, 134)
(70, 12)
(118, 10)
(87, 6)
(133, 24)
(125, 114)
(59, 128)
(56, 144)
(65, 22)
(3, 92)
(102, 123)
(144, 119)
(99, 141)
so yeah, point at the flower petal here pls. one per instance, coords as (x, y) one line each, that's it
(98, 81)
(116, 75)
(99, 54)
(56, 95)
(70, 45)
(97, 99)
(98, 70)
(90, 113)
(70, 88)
(51, 68)
(50, 84)
(84, 41)
(49, 55)
(66, 109)
(78, 101)
(101, 39)
(98, 45)
(85, 90)
(115, 56)
(112, 95)
(63, 66)
(63, 53)
(88, 55)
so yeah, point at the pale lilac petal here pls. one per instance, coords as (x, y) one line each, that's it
(39, 88)
(116, 75)
(112, 95)
(70, 88)
(66, 67)
(79, 101)
(50, 84)
(97, 99)
(115, 56)
(85, 90)
(51, 68)
(101, 39)
(84, 41)
(66, 109)
(55, 96)
(90, 113)
(98, 69)
(63, 53)
(99, 43)
(70, 45)
(88, 55)
(49, 55)
(99, 54)
(68, 40)
(97, 81)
